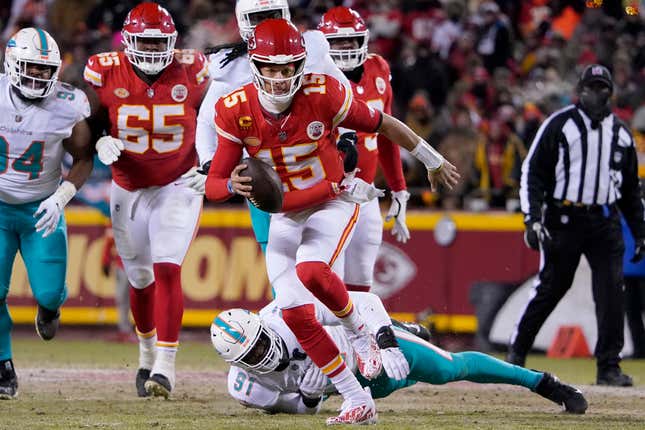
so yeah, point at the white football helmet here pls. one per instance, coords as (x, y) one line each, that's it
(250, 13)
(32, 46)
(240, 337)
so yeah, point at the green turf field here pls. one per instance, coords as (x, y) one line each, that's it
(89, 384)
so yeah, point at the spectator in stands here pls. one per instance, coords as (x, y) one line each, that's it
(494, 41)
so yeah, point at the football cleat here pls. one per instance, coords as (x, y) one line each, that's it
(359, 411)
(142, 377)
(158, 386)
(570, 398)
(47, 323)
(8, 381)
(368, 354)
(416, 329)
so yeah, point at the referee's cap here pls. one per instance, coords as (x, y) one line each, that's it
(596, 73)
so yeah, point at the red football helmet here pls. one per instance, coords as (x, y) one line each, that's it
(277, 42)
(345, 23)
(152, 22)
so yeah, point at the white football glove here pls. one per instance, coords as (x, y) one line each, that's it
(397, 211)
(196, 180)
(313, 382)
(356, 190)
(109, 149)
(52, 207)
(395, 364)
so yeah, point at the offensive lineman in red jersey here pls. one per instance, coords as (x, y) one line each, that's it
(151, 94)
(369, 75)
(288, 120)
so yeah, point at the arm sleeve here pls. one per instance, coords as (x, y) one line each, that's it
(538, 170)
(228, 155)
(205, 131)
(301, 199)
(389, 154)
(631, 203)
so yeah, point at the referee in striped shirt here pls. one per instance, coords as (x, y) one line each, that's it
(581, 169)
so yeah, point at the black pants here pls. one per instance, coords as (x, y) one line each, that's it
(634, 305)
(596, 234)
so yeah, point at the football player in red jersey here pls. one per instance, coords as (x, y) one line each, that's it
(369, 75)
(287, 119)
(151, 94)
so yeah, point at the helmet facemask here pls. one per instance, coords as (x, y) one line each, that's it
(348, 59)
(265, 354)
(250, 15)
(29, 85)
(139, 50)
(279, 90)
(32, 61)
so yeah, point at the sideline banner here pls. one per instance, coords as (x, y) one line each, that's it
(224, 268)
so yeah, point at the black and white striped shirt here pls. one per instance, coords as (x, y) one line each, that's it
(570, 161)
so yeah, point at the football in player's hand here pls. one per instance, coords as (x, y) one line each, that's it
(267, 190)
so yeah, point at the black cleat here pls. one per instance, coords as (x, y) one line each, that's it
(158, 386)
(47, 323)
(414, 328)
(570, 398)
(515, 358)
(8, 381)
(614, 377)
(142, 377)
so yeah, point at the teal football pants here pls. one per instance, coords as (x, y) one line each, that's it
(433, 365)
(260, 222)
(45, 260)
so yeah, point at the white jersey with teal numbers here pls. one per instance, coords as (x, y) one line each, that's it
(31, 136)
(237, 73)
(278, 391)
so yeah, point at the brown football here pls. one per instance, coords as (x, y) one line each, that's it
(267, 190)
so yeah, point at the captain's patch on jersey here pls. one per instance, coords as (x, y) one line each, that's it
(245, 122)
(315, 130)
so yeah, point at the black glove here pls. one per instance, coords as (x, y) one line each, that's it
(347, 145)
(205, 168)
(639, 250)
(535, 234)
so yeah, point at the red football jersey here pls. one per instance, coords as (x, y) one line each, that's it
(300, 144)
(156, 123)
(374, 89)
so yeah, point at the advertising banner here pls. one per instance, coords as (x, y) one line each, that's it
(224, 268)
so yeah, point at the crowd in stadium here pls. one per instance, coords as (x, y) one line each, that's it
(475, 78)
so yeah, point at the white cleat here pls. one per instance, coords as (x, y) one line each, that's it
(368, 354)
(360, 411)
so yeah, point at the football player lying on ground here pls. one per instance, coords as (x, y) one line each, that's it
(269, 370)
